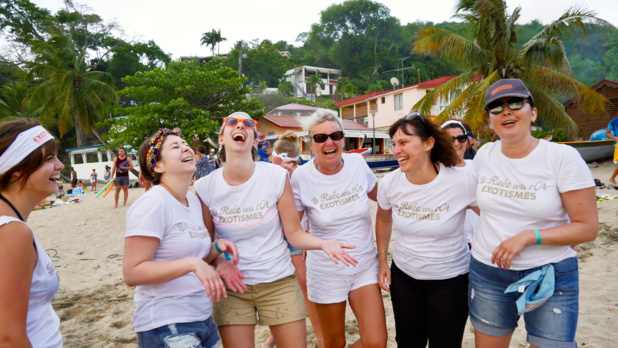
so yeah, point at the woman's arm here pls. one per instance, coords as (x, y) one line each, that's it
(581, 206)
(303, 240)
(373, 194)
(114, 167)
(139, 268)
(18, 259)
(384, 227)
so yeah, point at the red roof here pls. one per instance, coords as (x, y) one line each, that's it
(596, 87)
(296, 107)
(293, 122)
(426, 84)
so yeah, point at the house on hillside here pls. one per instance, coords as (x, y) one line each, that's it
(388, 106)
(589, 123)
(293, 110)
(299, 78)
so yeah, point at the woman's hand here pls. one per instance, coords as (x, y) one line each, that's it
(211, 281)
(230, 248)
(232, 276)
(334, 249)
(507, 250)
(384, 276)
(289, 165)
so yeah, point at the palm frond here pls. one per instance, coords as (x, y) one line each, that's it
(448, 91)
(577, 18)
(544, 51)
(552, 111)
(448, 46)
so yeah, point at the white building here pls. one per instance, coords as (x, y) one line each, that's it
(85, 159)
(299, 78)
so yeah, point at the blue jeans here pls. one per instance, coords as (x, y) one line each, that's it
(293, 250)
(202, 334)
(494, 313)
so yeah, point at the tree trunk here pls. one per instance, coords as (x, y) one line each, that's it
(240, 59)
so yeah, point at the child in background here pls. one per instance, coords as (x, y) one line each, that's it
(93, 180)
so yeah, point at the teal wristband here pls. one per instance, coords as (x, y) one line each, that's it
(227, 256)
(217, 248)
(538, 237)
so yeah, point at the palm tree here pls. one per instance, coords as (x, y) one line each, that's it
(69, 94)
(212, 38)
(14, 100)
(316, 83)
(493, 54)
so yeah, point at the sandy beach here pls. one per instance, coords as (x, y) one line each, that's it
(85, 241)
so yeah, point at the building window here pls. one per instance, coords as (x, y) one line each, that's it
(383, 100)
(399, 101)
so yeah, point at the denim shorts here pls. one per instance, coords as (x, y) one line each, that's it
(494, 313)
(201, 334)
(121, 181)
(293, 250)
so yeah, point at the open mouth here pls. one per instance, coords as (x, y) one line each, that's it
(54, 178)
(330, 152)
(239, 137)
(189, 159)
(508, 123)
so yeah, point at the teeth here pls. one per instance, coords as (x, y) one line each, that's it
(238, 137)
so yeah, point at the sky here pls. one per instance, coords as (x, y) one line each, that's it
(177, 26)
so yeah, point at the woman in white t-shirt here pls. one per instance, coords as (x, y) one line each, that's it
(333, 191)
(426, 201)
(251, 203)
(461, 143)
(537, 199)
(29, 172)
(167, 250)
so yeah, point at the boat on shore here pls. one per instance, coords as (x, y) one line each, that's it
(593, 150)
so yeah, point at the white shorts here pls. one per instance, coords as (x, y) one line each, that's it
(334, 288)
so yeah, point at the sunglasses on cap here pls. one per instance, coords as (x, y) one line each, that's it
(321, 138)
(461, 138)
(514, 103)
(247, 122)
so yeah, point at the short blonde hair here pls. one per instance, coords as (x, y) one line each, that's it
(289, 143)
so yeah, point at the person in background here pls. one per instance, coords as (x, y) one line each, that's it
(167, 251)
(612, 133)
(93, 181)
(122, 165)
(472, 145)
(177, 131)
(29, 172)
(212, 158)
(461, 143)
(263, 148)
(537, 199)
(203, 167)
(107, 174)
(73, 178)
(426, 201)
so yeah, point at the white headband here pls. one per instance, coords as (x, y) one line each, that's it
(284, 156)
(453, 122)
(23, 145)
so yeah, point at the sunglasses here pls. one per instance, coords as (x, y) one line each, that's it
(513, 103)
(247, 122)
(461, 138)
(415, 114)
(321, 138)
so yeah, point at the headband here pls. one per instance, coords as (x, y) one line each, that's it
(284, 156)
(457, 123)
(23, 145)
(154, 147)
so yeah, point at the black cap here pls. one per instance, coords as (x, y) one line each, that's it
(506, 88)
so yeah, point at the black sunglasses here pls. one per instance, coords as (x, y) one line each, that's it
(321, 138)
(461, 138)
(515, 103)
(415, 114)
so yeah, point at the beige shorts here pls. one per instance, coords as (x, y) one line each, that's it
(275, 303)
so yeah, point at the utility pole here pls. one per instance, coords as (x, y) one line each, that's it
(240, 58)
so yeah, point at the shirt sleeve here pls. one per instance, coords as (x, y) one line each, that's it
(295, 181)
(573, 173)
(146, 218)
(383, 201)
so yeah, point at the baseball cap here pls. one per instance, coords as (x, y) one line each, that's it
(506, 88)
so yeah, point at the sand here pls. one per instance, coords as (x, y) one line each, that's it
(95, 306)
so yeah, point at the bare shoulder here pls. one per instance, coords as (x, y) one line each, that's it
(15, 238)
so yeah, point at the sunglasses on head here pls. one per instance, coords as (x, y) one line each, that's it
(514, 103)
(321, 138)
(461, 138)
(247, 122)
(415, 114)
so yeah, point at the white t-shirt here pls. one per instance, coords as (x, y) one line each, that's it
(473, 220)
(516, 195)
(42, 322)
(182, 234)
(247, 215)
(337, 207)
(429, 221)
